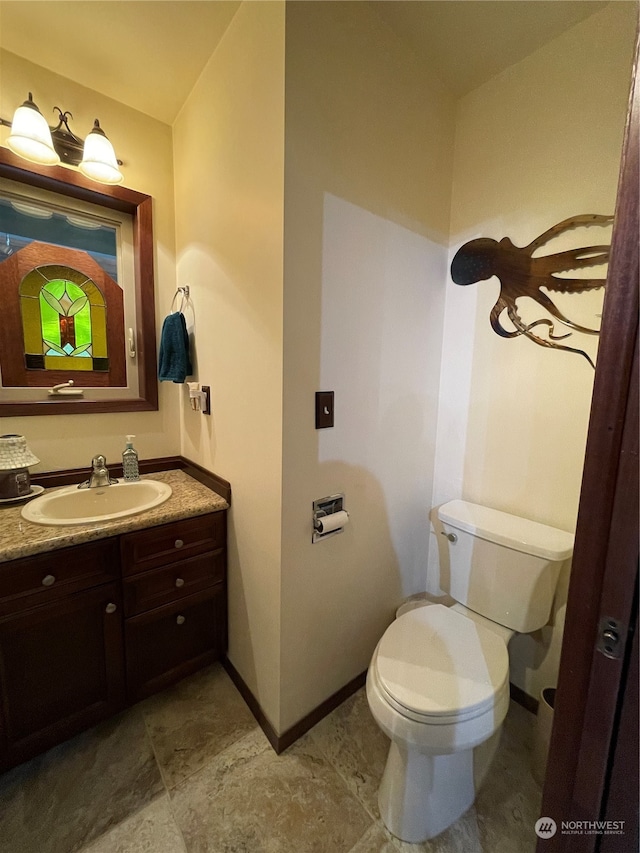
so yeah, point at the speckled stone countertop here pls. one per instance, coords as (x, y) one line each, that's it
(20, 538)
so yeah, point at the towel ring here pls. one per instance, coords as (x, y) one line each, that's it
(184, 293)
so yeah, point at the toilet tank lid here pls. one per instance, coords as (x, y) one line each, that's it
(514, 532)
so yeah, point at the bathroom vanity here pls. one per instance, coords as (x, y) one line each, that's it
(89, 628)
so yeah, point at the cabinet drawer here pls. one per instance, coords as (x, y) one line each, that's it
(43, 577)
(173, 582)
(167, 643)
(148, 549)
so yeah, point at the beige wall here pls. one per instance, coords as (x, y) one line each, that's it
(535, 145)
(430, 403)
(229, 156)
(369, 139)
(69, 441)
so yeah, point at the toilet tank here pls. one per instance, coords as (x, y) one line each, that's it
(502, 566)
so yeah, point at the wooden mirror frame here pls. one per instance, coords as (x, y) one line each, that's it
(139, 206)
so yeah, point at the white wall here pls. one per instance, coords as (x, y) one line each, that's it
(229, 155)
(144, 144)
(536, 144)
(369, 140)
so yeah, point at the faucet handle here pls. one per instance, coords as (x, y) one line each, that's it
(99, 461)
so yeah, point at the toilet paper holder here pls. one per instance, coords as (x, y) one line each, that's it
(322, 509)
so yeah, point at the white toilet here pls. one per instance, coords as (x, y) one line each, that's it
(438, 682)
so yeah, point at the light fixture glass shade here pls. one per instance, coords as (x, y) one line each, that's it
(99, 159)
(14, 453)
(31, 136)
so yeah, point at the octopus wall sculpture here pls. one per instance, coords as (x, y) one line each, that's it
(521, 274)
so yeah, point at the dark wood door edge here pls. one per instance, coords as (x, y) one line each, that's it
(623, 795)
(291, 735)
(595, 565)
(70, 476)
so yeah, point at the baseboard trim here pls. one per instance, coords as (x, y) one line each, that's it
(518, 695)
(324, 709)
(252, 703)
(290, 736)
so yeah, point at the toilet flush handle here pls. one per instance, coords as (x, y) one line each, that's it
(450, 536)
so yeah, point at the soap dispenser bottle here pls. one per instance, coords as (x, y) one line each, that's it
(130, 467)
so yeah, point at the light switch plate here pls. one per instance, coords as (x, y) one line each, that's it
(324, 409)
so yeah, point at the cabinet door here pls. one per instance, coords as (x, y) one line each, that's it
(61, 670)
(165, 644)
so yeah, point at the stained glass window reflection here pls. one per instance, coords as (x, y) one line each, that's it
(63, 320)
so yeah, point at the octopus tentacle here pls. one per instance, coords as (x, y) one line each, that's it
(566, 225)
(526, 331)
(543, 321)
(503, 304)
(576, 259)
(543, 300)
(573, 285)
(494, 318)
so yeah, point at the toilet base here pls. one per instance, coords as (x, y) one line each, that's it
(421, 795)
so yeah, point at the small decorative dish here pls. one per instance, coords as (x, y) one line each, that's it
(33, 491)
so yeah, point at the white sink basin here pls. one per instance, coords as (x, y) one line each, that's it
(71, 505)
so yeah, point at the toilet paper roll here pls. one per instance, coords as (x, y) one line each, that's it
(327, 523)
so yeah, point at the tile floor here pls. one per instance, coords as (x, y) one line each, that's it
(189, 771)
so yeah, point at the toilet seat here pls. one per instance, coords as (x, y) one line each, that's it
(436, 666)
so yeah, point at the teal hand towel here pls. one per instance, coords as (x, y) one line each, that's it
(174, 362)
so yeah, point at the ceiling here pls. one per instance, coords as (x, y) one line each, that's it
(467, 42)
(149, 53)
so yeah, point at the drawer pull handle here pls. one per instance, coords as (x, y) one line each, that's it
(110, 608)
(179, 543)
(48, 580)
(179, 582)
(180, 620)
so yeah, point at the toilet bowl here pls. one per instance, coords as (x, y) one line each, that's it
(438, 682)
(436, 707)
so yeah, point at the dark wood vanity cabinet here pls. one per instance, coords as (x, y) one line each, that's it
(61, 647)
(85, 631)
(175, 601)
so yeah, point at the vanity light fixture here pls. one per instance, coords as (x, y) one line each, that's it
(99, 159)
(32, 138)
(31, 135)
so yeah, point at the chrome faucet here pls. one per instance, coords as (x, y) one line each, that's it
(99, 476)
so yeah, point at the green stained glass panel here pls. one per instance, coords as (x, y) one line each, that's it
(62, 298)
(83, 326)
(56, 288)
(50, 321)
(73, 291)
(64, 318)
